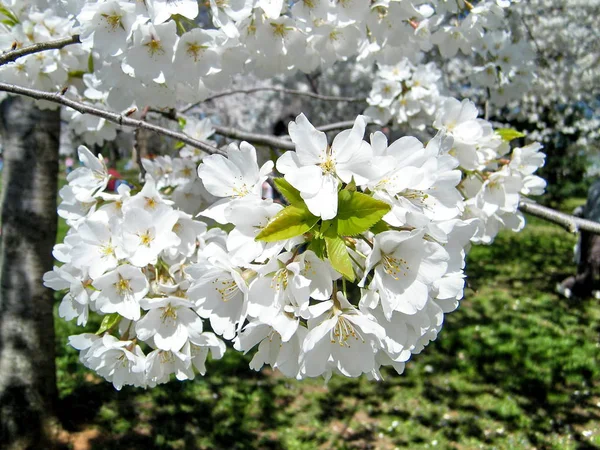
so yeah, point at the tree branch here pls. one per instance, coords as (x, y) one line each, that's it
(13, 55)
(119, 119)
(340, 125)
(570, 223)
(233, 133)
(255, 138)
(328, 98)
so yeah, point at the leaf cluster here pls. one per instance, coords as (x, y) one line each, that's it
(357, 213)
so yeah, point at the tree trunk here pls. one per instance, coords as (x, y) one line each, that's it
(28, 391)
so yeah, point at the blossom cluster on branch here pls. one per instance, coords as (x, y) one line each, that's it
(353, 271)
(155, 53)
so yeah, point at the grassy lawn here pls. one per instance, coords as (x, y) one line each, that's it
(515, 367)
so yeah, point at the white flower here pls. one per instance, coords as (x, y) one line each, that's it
(121, 362)
(405, 265)
(144, 236)
(314, 168)
(162, 10)
(160, 364)
(93, 175)
(219, 291)
(234, 177)
(170, 321)
(272, 349)
(120, 291)
(341, 338)
(198, 347)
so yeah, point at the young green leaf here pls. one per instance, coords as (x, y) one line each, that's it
(317, 245)
(291, 194)
(339, 257)
(290, 222)
(358, 212)
(108, 322)
(380, 227)
(508, 134)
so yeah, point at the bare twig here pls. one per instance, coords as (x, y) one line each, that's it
(329, 98)
(570, 223)
(340, 125)
(255, 138)
(119, 119)
(234, 133)
(13, 55)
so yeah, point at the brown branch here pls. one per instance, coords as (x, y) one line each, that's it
(13, 55)
(233, 133)
(329, 98)
(119, 119)
(340, 125)
(570, 223)
(255, 138)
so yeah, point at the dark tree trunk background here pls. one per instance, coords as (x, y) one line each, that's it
(29, 184)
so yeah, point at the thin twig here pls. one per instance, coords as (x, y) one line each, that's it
(233, 133)
(570, 223)
(340, 125)
(13, 55)
(119, 119)
(329, 98)
(254, 138)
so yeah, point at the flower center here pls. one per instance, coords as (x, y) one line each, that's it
(195, 50)
(150, 202)
(107, 249)
(113, 20)
(227, 289)
(122, 286)
(280, 280)
(169, 313)
(394, 266)
(343, 331)
(154, 46)
(328, 166)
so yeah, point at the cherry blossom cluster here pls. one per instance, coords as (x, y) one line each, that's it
(177, 177)
(158, 52)
(406, 93)
(353, 271)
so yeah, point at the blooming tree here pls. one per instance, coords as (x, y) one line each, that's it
(357, 266)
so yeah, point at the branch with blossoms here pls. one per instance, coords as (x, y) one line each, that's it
(313, 95)
(57, 44)
(569, 222)
(119, 119)
(353, 272)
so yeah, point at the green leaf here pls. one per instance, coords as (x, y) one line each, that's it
(76, 74)
(90, 63)
(12, 19)
(339, 257)
(108, 322)
(291, 194)
(9, 23)
(358, 212)
(182, 122)
(317, 245)
(380, 227)
(290, 222)
(508, 134)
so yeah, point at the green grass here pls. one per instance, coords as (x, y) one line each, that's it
(515, 367)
